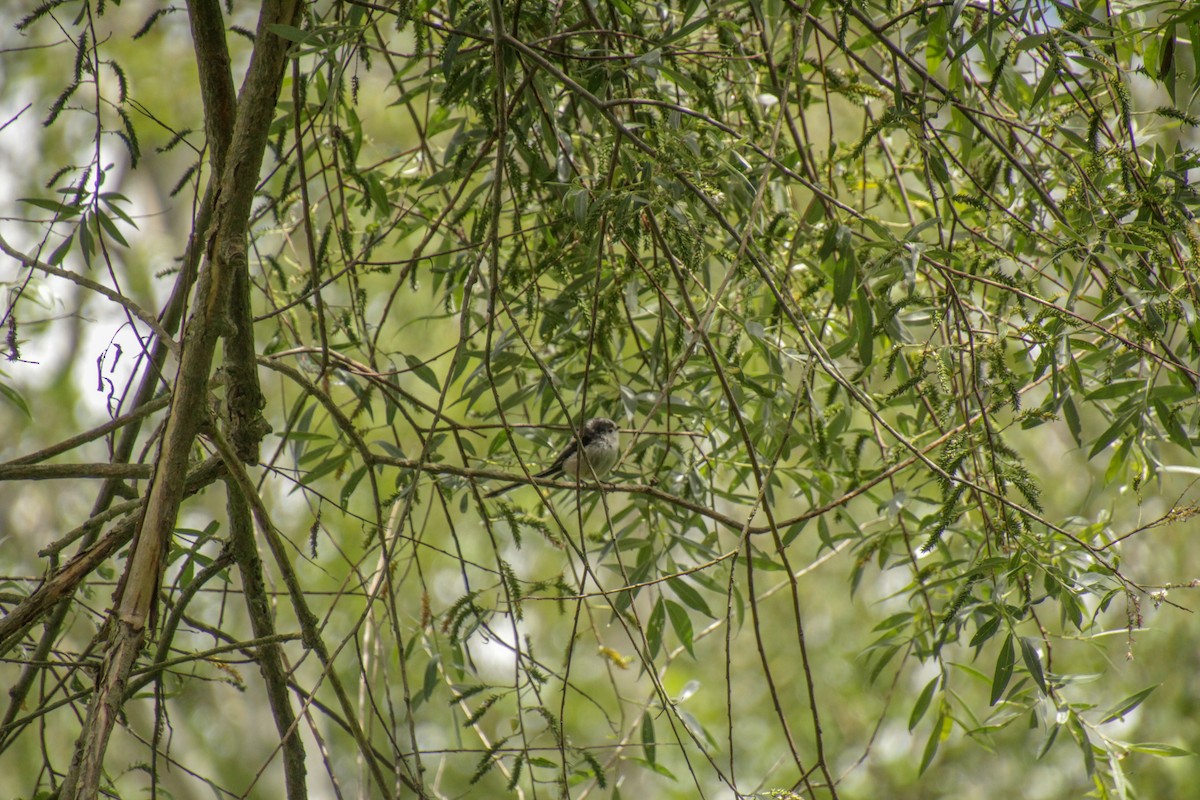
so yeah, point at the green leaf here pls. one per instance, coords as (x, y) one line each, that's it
(696, 727)
(864, 324)
(87, 244)
(423, 371)
(655, 626)
(1071, 415)
(1166, 61)
(1110, 391)
(936, 45)
(985, 631)
(681, 623)
(690, 596)
(1043, 88)
(1051, 736)
(453, 43)
(13, 396)
(1033, 662)
(941, 732)
(922, 703)
(432, 680)
(1170, 423)
(1121, 426)
(1128, 704)
(656, 768)
(845, 266)
(352, 482)
(112, 201)
(1118, 461)
(325, 468)
(61, 252)
(1004, 670)
(1085, 744)
(290, 32)
(885, 656)
(1030, 42)
(1159, 749)
(61, 210)
(111, 229)
(1170, 393)
(648, 741)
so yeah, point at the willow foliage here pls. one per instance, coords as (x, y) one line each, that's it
(895, 303)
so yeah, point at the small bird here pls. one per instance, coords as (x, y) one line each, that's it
(601, 445)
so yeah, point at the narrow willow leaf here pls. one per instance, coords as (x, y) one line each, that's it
(1085, 744)
(864, 323)
(1046, 745)
(290, 32)
(1044, 85)
(648, 743)
(14, 397)
(1071, 415)
(1033, 662)
(986, 631)
(654, 627)
(62, 250)
(1128, 704)
(1118, 428)
(936, 45)
(423, 371)
(939, 734)
(692, 598)
(1004, 670)
(111, 228)
(922, 703)
(681, 623)
(1170, 423)
(1111, 391)
(62, 210)
(1161, 750)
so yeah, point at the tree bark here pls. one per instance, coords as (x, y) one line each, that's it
(210, 318)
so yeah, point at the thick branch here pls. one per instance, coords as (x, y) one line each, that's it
(216, 77)
(49, 472)
(244, 398)
(270, 655)
(226, 255)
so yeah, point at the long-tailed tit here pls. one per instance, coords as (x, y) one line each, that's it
(601, 446)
